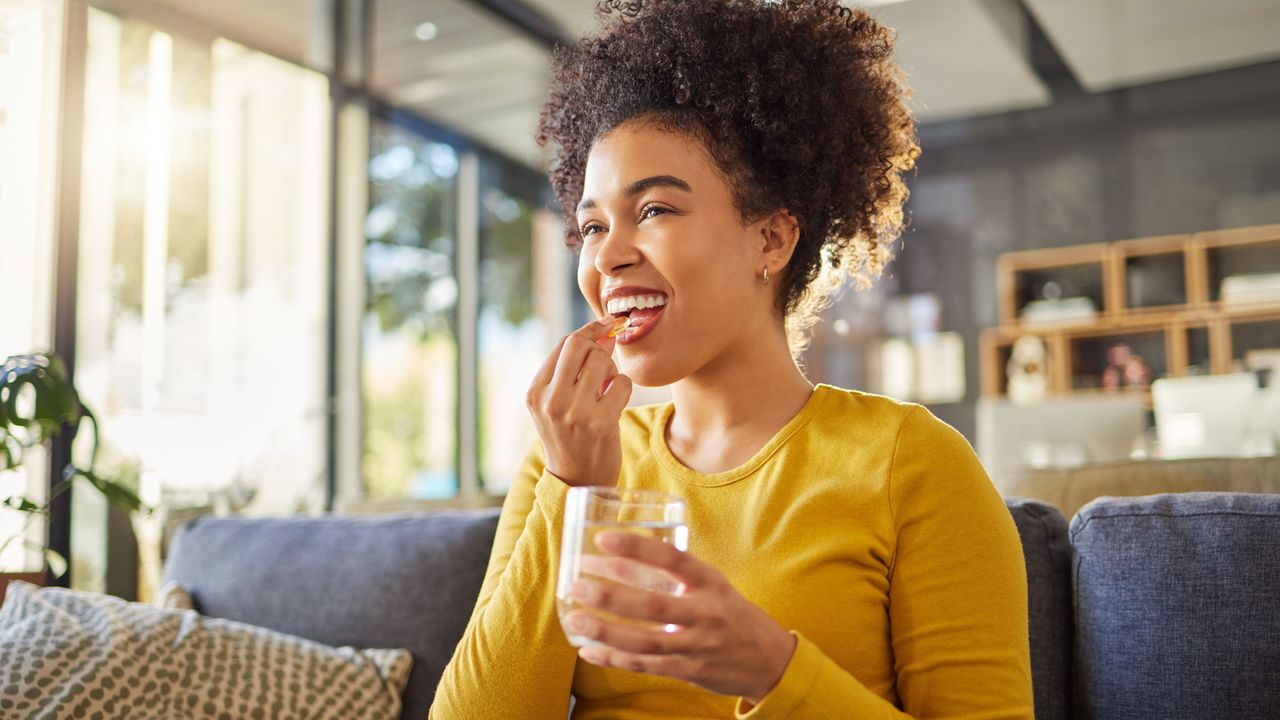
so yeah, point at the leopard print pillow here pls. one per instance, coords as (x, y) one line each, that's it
(66, 654)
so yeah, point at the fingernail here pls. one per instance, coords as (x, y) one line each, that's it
(577, 623)
(619, 325)
(582, 590)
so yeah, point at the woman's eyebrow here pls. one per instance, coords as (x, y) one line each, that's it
(640, 186)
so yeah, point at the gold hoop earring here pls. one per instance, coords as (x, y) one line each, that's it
(766, 276)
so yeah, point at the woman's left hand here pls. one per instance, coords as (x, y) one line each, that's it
(725, 643)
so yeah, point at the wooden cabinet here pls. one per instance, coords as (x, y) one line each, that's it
(1161, 296)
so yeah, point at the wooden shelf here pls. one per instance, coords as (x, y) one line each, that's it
(1011, 266)
(1187, 264)
(1240, 236)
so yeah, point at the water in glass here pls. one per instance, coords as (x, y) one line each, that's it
(590, 511)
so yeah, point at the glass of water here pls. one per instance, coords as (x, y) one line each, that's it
(593, 510)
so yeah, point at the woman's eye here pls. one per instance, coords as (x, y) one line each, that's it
(645, 213)
(587, 230)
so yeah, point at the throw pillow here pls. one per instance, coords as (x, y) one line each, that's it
(67, 654)
(173, 596)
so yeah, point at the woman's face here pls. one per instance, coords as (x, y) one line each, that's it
(658, 222)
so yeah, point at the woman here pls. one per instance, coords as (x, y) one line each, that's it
(727, 163)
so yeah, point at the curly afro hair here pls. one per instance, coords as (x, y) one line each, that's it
(797, 101)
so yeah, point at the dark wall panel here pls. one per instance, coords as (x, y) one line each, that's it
(1182, 156)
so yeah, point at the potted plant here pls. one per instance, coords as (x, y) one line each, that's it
(37, 403)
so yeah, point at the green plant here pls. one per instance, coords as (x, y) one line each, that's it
(37, 403)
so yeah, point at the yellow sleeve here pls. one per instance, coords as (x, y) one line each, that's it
(957, 600)
(513, 661)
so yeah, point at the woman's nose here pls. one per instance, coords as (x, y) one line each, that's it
(616, 252)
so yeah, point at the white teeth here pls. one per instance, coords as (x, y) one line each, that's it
(618, 305)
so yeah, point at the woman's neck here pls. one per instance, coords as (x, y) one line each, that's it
(732, 407)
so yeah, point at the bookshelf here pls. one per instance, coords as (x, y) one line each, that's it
(1162, 296)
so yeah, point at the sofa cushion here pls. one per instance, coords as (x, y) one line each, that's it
(1177, 598)
(76, 654)
(1048, 556)
(406, 581)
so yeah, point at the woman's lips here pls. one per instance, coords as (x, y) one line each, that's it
(642, 322)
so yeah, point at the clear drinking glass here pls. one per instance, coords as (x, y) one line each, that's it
(592, 510)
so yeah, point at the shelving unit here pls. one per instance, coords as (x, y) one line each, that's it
(1159, 295)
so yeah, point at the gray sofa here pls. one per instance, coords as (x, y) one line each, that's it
(1156, 607)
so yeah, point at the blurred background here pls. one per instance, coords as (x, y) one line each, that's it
(301, 255)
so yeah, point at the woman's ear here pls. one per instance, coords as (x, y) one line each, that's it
(779, 233)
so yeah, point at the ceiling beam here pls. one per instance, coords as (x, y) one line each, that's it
(526, 19)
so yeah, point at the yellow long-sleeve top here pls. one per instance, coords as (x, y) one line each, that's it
(866, 526)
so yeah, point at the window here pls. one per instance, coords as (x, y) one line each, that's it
(410, 338)
(514, 325)
(28, 130)
(201, 306)
(203, 257)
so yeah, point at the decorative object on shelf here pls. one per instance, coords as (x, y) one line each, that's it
(1251, 288)
(1028, 371)
(1062, 310)
(37, 403)
(1125, 369)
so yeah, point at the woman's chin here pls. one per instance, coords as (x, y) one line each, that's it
(648, 372)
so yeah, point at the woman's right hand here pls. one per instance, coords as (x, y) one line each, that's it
(576, 400)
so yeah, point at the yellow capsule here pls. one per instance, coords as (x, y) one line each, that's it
(619, 325)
